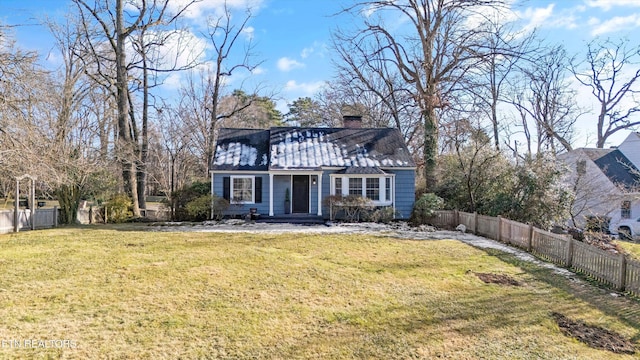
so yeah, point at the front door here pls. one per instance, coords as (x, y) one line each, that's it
(300, 199)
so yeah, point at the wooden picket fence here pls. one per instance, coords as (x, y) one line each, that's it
(614, 270)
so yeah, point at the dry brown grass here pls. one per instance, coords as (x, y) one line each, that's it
(162, 295)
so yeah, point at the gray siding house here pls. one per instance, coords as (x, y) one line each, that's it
(257, 168)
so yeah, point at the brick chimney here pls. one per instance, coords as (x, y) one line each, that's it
(352, 121)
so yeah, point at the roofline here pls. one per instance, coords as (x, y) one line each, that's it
(238, 171)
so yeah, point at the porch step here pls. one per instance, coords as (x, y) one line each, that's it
(306, 219)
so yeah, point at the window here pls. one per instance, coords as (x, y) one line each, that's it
(625, 210)
(373, 189)
(355, 186)
(581, 167)
(242, 189)
(387, 189)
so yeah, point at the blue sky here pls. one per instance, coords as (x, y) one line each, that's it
(292, 37)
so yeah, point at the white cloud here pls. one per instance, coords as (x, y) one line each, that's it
(306, 52)
(212, 7)
(607, 5)
(615, 24)
(249, 32)
(258, 71)
(306, 88)
(536, 16)
(286, 64)
(318, 48)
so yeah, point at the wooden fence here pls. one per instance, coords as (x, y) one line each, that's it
(614, 270)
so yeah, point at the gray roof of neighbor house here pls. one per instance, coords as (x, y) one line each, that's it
(615, 166)
(294, 148)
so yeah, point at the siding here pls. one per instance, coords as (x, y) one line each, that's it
(405, 192)
(241, 209)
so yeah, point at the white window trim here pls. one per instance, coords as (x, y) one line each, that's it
(382, 187)
(253, 188)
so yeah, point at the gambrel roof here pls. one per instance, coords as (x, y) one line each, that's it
(295, 148)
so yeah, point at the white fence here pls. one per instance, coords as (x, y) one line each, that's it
(43, 219)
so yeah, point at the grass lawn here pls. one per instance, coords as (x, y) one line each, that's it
(119, 293)
(633, 248)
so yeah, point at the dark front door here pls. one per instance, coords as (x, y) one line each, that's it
(300, 199)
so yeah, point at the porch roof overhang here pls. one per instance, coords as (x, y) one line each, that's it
(296, 171)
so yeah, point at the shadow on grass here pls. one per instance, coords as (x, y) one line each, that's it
(607, 300)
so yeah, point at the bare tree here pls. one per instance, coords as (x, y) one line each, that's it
(612, 71)
(506, 49)
(544, 96)
(431, 57)
(225, 36)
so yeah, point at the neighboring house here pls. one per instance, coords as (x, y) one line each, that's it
(606, 182)
(256, 168)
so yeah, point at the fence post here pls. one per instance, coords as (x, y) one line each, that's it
(456, 218)
(105, 215)
(568, 260)
(623, 272)
(90, 214)
(499, 234)
(55, 216)
(530, 239)
(475, 223)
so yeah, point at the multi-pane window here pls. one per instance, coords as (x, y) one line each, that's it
(355, 186)
(242, 189)
(625, 209)
(376, 188)
(373, 189)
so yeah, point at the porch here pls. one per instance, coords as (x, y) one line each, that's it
(300, 219)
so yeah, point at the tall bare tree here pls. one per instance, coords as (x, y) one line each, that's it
(226, 37)
(432, 56)
(545, 102)
(110, 29)
(612, 70)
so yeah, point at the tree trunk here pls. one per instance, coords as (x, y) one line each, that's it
(430, 148)
(126, 146)
(144, 149)
(69, 200)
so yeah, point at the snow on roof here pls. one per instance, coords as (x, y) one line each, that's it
(311, 148)
(337, 147)
(236, 154)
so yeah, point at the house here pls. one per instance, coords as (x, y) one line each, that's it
(606, 182)
(259, 168)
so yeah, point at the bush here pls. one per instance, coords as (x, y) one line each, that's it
(425, 207)
(179, 199)
(118, 208)
(200, 208)
(353, 207)
(383, 215)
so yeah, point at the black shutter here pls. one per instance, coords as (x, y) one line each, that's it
(258, 189)
(226, 188)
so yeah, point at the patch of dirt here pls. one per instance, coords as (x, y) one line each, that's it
(594, 336)
(500, 279)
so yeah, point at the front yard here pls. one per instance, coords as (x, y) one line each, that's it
(78, 293)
